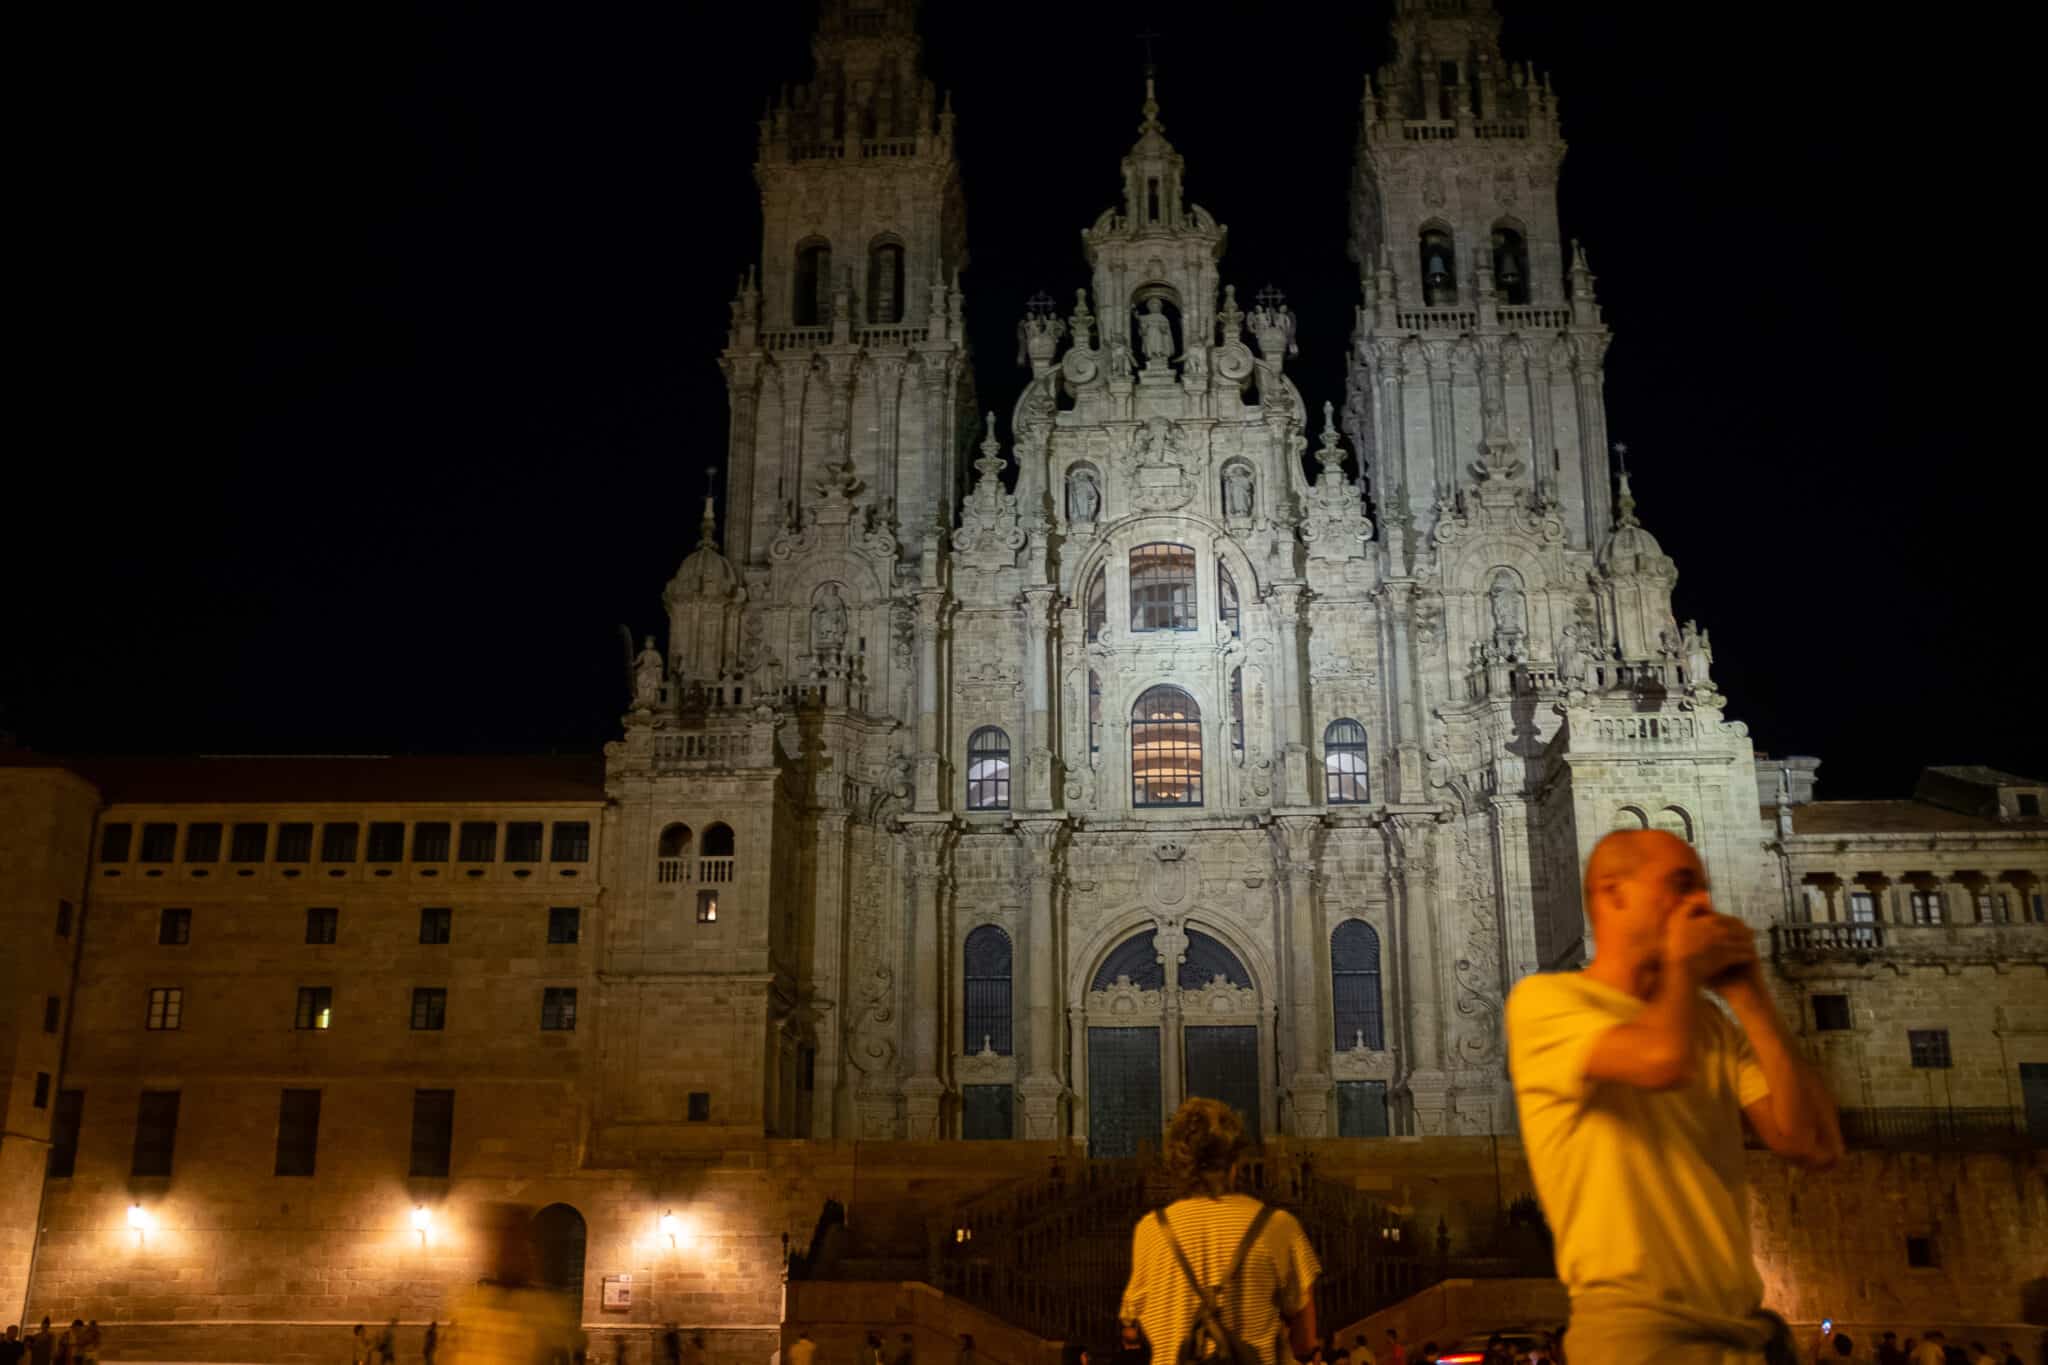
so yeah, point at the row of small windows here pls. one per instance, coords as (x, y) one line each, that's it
(1438, 250)
(568, 841)
(315, 1009)
(1926, 1048)
(811, 297)
(437, 924)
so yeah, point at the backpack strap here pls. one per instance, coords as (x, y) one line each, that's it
(1244, 1250)
(1202, 1291)
(1210, 1296)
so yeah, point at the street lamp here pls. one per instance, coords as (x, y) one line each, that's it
(671, 1227)
(422, 1219)
(139, 1219)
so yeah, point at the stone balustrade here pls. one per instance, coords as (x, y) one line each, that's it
(875, 337)
(1816, 945)
(725, 747)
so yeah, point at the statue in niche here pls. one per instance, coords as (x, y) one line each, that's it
(1573, 661)
(1119, 358)
(1083, 498)
(1237, 491)
(1510, 615)
(828, 621)
(1696, 652)
(1155, 333)
(647, 675)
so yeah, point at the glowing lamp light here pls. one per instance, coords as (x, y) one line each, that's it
(140, 1221)
(671, 1226)
(422, 1220)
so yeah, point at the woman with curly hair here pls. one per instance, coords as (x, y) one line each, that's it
(1216, 1262)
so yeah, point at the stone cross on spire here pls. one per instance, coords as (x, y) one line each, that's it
(1625, 499)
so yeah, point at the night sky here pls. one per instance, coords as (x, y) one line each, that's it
(379, 360)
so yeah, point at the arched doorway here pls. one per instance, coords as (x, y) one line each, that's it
(1154, 1039)
(559, 1234)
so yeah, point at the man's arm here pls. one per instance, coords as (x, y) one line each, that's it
(1797, 1120)
(1654, 1050)
(1301, 1331)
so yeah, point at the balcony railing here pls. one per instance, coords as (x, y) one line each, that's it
(1931, 1129)
(714, 869)
(1931, 943)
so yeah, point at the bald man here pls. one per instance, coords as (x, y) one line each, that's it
(1632, 1087)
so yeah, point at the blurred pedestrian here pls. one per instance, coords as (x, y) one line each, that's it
(359, 1348)
(1397, 1354)
(12, 1347)
(42, 1346)
(431, 1342)
(1888, 1351)
(802, 1351)
(1932, 1349)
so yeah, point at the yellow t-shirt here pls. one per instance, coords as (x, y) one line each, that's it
(1279, 1274)
(1644, 1189)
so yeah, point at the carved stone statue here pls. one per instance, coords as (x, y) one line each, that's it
(1510, 615)
(1119, 358)
(1237, 491)
(1155, 333)
(828, 621)
(647, 675)
(1573, 662)
(1697, 654)
(1083, 498)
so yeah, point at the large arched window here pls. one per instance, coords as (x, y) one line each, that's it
(885, 281)
(811, 298)
(1166, 749)
(1226, 600)
(988, 990)
(1510, 264)
(1439, 267)
(715, 854)
(1095, 607)
(1355, 985)
(988, 769)
(1346, 781)
(672, 854)
(1162, 587)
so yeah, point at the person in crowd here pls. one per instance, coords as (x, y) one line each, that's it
(42, 1347)
(1888, 1352)
(1361, 1351)
(12, 1347)
(1932, 1350)
(1130, 1347)
(871, 1353)
(359, 1347)
(431, 1342)
(1837, 1348)
(802, 1351)
(1632, 1088)
(965, 1354)
(1497, 1352)
(2007, 1355)
(1217, 1261)
(1980, 1354)
(1397, 1354)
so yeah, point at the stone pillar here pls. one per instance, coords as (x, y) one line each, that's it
(796, 378)
(1038, 736)
(828, 970)
(1405, 694)
(1391, 466)
(931, 606)
(1308, 970)
(1517, 899)
(742, 378)
(1592, 403)
(1542, 427)
(886, 374)
(1041, 1088)
(924, 1093)
(1442, 425)
(1286, 599)
(1077, 1064)
(1412, 858)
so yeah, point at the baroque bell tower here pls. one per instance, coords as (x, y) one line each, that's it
(847, 340)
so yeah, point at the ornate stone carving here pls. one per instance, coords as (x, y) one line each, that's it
(1159, 467)
(989, 534)
(1476, 969)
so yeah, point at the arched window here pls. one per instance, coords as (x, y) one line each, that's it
(1510, 264)
(1226, 600)
(988, 990)
(1166, 749)
(811, 299)
(885, 282)
(1094, 713)
(1162, 587)
(715, 854)
(1673, 820)
(672, 854)
(1439, 267)
(1237, 712)
(988, 769)
(1346, 780)
(1095, 606)
(1355, 985)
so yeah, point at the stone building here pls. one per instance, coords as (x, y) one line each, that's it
(1001, 776)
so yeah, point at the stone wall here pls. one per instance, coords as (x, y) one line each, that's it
(839, 1316)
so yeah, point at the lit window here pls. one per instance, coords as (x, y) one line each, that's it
(558, 1008)
(1226, 600)
(1095, 607)
(166, 1008)
(1345, 779)
(988, 769)
(707, 907)
(316, 1007)
(1166, 749)
(430, 1008)
(1162, 587)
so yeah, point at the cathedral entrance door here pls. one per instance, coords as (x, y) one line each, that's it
(1123, 1090)
(1223, 1064)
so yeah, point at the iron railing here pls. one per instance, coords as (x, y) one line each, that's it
(1933, 1128)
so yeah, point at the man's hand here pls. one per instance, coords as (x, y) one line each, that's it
(1702, 948)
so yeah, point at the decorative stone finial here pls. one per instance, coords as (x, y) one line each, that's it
(707, 526)
(1625, 498)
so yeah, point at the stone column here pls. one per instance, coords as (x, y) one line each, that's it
(924, 1093)
(1510, 824)
(742, 378)
(1286, 599)
(796, 379)
(1443, 433)
(1592, 403)
(1042, 1089)
(886, 373)
(1542, 427)
(1038, 736)
(1308, 970)
(1077, 1063)
(931, 606)
(1411, 854)
(828, 970)
(1404, 692)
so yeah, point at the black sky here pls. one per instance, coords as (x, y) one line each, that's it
(378, 359)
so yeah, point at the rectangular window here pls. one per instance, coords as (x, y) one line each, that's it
(64, 1134)
(298, 1131)
(433, 1132)
(571, 842)
(986, 1112)
(429, 1007)
(295, 843)
(430, 842)
(479, 841)
(338, 843)
(158, 842)
(1862, 907)
(700, 1106)
(64, 912)
(522, 841)
(1994, 907)
(1921, 1254)
(2040, 904)
(387, 842)
(202, 843)
(1162, 587)
(564, 924)
(1362, 1109)
(2029, 805)
(436, 923)
(1929, 1048)
(1926, 907)
(174, 926)
(114, 841)
(53, 1012)
(323, 924)
(248, 843)
(1830, 1013)
(707, 907)
(558, 1008)
(166, 1008)
(316, 1007)
(42, 1097)
(156, 1133)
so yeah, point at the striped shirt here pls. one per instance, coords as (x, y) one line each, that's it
(1278, 1276)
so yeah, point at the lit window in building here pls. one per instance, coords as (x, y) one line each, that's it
(1166, 749)
(707, 906)
(558, 1008)
(316, 1007)
(988, 769)
(166, 1008)
(1162, 587)
(1345, 779)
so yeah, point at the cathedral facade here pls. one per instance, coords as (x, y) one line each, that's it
(1247, 740)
